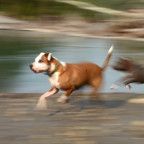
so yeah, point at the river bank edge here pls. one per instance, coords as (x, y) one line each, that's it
(55, 32)
(112, 29)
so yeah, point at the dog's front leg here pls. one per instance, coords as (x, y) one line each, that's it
(122, 81)
(127, 82)
(64, 98)
(41, 105)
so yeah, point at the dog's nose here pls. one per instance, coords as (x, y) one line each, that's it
(31, 66)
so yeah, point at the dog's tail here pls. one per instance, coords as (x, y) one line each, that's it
(108, 58)
(123, 64)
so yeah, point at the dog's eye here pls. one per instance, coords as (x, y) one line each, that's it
(40, 61)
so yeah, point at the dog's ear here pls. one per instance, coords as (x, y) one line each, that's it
(49, 56)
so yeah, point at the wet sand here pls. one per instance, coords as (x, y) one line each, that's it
(115, 119)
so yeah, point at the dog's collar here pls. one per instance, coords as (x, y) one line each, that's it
(52, 72)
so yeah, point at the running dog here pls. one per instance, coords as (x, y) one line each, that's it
(66, 76)
(135, 72)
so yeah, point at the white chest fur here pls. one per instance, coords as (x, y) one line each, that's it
(54, 80)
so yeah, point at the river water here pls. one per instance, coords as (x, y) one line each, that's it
(18, 50)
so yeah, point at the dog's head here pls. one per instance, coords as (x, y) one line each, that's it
(42, 62)
(123, 64)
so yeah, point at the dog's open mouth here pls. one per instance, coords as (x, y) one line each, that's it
(35, 71)
(40, 71)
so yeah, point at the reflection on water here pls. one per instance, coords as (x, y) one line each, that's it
(18, 50)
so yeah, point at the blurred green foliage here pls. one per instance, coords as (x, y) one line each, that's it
(117, 4)
(44, 9)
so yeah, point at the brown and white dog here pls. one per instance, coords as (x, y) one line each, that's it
(66, 76)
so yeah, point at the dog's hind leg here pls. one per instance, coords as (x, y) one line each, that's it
(96, 84)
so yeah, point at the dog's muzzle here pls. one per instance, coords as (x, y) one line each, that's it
(31, 67)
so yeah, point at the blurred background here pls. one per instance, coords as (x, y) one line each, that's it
(73, 30)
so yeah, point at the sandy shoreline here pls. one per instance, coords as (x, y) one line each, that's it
(137, 98)
(118, 118)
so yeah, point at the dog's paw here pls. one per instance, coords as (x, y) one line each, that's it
(128, 86)
(63, 99)
(114, 87)
(41, 105)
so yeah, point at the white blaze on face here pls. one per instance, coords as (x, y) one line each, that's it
(38, 65)
(39, 57)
